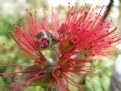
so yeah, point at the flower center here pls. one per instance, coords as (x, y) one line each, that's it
(44, 42)
(48, 44)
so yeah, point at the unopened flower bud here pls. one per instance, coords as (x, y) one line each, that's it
(44, 42)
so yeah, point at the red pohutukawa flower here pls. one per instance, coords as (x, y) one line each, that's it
(70, 46)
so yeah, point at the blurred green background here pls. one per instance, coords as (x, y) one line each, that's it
(11, 11)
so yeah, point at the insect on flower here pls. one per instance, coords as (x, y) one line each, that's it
(71, 45)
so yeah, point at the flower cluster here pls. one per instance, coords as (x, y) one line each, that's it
(70, 46)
